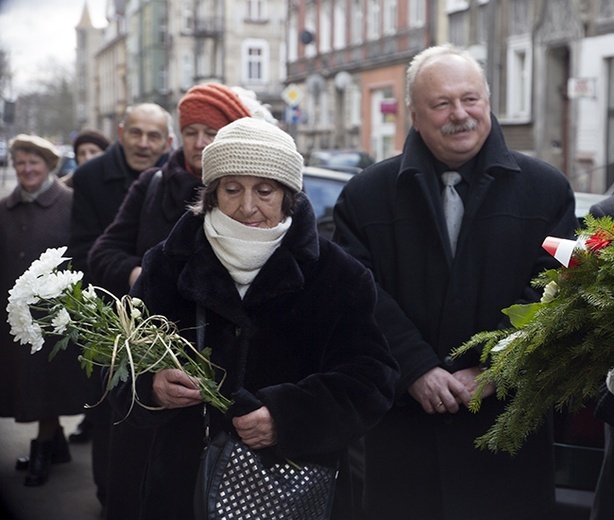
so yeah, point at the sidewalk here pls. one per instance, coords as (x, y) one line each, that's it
(68, 494)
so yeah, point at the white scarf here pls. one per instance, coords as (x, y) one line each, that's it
(243, 250)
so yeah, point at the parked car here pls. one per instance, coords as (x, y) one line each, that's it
(350, 161)
(323, 186)
(66, 165)
(584, 201)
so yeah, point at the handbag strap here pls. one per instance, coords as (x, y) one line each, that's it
(201, 325)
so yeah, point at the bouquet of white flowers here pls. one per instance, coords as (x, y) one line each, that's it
(114, 332)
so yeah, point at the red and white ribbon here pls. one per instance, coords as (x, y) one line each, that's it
(562, 248)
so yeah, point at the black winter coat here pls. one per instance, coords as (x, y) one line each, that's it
(303, 340)
(148, 213)
(390, 217)
(32, 387)
(100, 186)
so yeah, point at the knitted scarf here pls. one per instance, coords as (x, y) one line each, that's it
(243, 250)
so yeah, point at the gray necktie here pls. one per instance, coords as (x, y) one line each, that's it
(453, 208)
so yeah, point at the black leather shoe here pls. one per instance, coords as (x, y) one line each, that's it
(40, 460)
(22, 463)
(82, 434)
(59, 455)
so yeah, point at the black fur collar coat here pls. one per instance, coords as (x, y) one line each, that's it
(303, 341)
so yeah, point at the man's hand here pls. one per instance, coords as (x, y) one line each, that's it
(256, 429)
(172, 388)
(467, 377)
(134, 274)
(438, 391)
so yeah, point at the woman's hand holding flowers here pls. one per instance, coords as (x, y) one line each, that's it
(173, 388)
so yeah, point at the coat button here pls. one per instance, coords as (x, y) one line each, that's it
(238, 332)
(448, 361)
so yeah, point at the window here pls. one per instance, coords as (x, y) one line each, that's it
(292, 50)
(187, 17)
(256, 9)
(310, 25)
(357, 27)
(390, 16)
(326, 15)
(417, 13)
(373, 20)
(519, 67)
(255, 61)
(339, 31)
(187, 71)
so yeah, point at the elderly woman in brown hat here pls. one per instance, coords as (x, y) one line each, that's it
(34, 217)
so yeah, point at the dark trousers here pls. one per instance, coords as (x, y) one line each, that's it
(100, 418)
(129, 452)
(603, 505)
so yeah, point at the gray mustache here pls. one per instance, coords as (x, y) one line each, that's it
(451, 128)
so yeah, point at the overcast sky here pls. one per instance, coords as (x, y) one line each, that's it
(40, 34)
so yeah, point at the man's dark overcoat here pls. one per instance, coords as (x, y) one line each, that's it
(153, 205)
(147, 215)
(303, 340)
(390, 217)
(101, 185)
(31, 386)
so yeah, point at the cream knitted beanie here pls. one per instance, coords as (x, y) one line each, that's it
(251, 146)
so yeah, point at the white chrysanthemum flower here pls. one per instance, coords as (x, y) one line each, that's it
(25, 289)
(502, 345)
(550, 292)
(27, 331)
(135, 314)
(19, 318)
(48, 261)
(90, 293)
(60, 321)
(53, 285)
(136, 302)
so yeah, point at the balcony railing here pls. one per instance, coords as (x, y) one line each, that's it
(206, 26)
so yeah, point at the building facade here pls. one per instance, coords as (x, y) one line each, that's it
(155, 50)
(334, 71)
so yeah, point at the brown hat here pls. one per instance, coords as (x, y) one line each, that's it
(89, 135)
(37, 145)
(213, 104)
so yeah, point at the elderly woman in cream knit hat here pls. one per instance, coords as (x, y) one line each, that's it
(286, 313)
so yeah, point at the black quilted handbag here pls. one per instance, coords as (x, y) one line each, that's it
(236, 483)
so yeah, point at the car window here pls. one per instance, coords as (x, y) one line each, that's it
(322, 193)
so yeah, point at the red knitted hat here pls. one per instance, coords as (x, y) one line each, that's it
(212, 104)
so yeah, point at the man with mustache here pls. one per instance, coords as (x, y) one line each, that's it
(439, 283)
